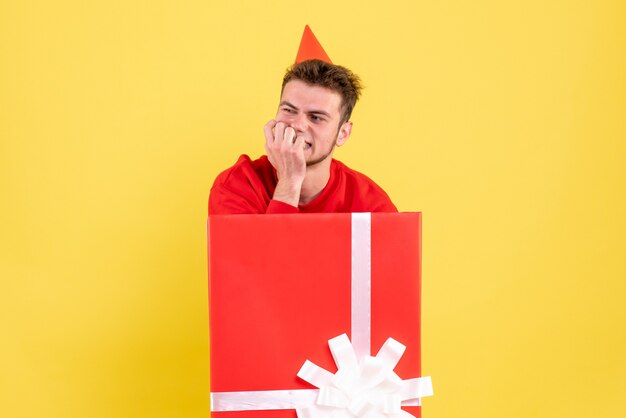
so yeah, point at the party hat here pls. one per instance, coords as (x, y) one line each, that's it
(310, 48)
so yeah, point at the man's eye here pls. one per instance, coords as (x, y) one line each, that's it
(316, 118)
(288, 110)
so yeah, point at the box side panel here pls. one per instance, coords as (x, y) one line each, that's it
(396, 288)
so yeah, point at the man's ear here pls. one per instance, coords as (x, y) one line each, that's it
(344, 133)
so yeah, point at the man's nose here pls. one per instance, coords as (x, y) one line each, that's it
(298, 122)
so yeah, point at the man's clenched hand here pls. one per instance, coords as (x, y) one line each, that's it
(285, 152)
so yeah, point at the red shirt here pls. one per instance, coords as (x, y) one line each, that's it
(248, 187)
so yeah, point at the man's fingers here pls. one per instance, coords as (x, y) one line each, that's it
(290, 135)
(279, 132)
(269, 131)
(299, 143)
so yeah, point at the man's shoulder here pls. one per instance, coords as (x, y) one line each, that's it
(364, 193)
(354, 177)
(246, 187)
(245, 168)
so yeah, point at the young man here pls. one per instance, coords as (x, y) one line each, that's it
(299, 174)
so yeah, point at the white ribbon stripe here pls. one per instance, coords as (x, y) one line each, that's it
(361, 282)
(364, 386)
(263, 400)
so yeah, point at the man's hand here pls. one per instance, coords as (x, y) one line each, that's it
(286, 153)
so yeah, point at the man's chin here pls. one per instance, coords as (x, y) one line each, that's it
(317, 161)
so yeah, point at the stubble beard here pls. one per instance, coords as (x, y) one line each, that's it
(311, 163)
(316, 161)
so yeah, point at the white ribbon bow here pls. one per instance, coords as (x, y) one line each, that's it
(363, 388)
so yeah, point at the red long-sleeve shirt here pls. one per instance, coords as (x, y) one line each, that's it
(248, 187)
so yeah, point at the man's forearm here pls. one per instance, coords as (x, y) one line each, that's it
(288, 192)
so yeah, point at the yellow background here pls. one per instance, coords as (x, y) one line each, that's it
(504, 122)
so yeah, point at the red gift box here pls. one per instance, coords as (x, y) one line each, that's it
(282, 286)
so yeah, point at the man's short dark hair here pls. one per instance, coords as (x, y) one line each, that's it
(331, 76)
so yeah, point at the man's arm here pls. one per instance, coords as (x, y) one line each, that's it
(242, 189)
(286, 153)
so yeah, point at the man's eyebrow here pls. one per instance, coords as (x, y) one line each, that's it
(286, 103)
(311, 112)
(319, 112)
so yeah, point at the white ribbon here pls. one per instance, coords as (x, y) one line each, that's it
(258, 400)
(361, 282)
(364, 386)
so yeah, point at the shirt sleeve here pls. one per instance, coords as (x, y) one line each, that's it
(228, 202)
(276, 206)
(223, 201)
(385, 205)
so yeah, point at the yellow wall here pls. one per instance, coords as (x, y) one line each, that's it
(502, 121)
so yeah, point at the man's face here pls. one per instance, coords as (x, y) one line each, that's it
(314, 112)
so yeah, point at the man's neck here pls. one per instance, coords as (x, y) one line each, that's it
(315, 181)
